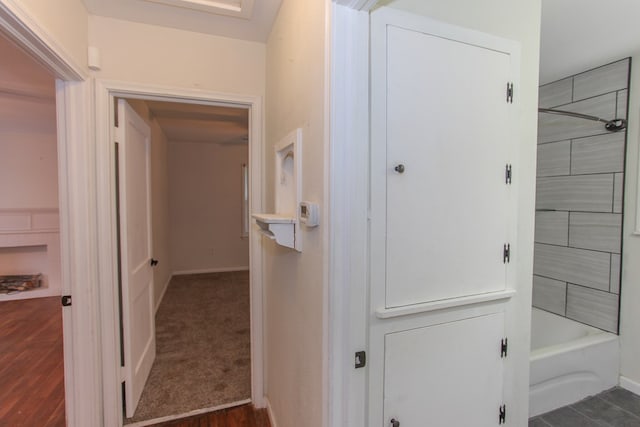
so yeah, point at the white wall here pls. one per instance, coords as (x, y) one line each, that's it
(28, 155)
(293, 282)
(133, 52)
(205, 199)
(519, 21)
(630, 285)
(64, 21)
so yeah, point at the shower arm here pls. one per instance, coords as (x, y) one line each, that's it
(614, 125)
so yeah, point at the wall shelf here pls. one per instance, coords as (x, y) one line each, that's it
(281, 228)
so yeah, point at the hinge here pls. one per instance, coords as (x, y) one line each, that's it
(503, 348)
(507, 174)
(510, 93)
(502, 417)
(66, 300)
(506, 254)
(361, 359)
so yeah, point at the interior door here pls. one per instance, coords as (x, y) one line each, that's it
(445, 375)
(447, 148)
(133, 139)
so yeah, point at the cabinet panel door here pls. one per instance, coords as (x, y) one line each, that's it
(445, 375)
(447, 202)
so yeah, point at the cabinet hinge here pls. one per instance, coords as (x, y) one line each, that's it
(502, 417)
(510, 93)
(66, 300)
(506, 254)
(360, 359)
(503, 348)
(507, 174)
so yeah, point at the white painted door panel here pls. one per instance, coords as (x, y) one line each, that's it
(447, 121)
(133, 137)
(445, 375)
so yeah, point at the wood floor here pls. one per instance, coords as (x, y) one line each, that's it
(240, 416)
(31, 363)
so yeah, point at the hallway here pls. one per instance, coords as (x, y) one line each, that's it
(203, 346)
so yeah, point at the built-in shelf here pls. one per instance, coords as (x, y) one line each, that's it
(30, 241)
(387, 313)
(276, 227)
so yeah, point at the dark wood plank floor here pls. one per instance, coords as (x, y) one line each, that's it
(240, 416)
(31, 363)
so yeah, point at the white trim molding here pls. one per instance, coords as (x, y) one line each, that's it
(272, 418)
(348, 234)
(105, 93)
(361, 5)
(80, 277)
(23, 29)
(628, 384)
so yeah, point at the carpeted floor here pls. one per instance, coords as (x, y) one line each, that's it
(203, 346)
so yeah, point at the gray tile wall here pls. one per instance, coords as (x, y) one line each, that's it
(579, 197)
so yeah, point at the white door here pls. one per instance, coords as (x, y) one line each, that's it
(133, 138)
(445, 375)
(447, 203)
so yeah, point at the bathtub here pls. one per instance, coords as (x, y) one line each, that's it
(569, 361)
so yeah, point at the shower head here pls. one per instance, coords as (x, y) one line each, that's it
(615, 125)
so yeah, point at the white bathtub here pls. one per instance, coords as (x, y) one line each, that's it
(569, 361)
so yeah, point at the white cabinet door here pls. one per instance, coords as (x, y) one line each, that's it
(445, 375)
(133, 137)
(440, 202)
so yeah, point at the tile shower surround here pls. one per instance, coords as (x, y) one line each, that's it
(580, 178)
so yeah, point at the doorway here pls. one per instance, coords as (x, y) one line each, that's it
(31, 333)
(194, 354)
(159, 98)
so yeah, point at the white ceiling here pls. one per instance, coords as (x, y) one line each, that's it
(578, 35)
(201, 123)
(195, 15)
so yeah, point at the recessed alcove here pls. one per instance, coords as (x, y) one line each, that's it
(30, 244)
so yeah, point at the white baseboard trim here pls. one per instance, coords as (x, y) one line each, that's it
(210, 270)
(627, 384)
(164, 291)
(272, 419)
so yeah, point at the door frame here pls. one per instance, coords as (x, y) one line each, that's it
(105, 94)
(75, 169)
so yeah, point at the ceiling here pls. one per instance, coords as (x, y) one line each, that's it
(201, 123)
(239, 19)
(578, 35)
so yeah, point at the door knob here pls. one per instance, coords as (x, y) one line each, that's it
(399, 168)
(395, 423)
(153, 262)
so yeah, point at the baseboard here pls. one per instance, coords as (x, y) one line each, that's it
(627, 384)
(164, 291)
(210, 270)
(272, 419)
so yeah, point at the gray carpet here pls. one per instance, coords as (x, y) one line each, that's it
(203, 346)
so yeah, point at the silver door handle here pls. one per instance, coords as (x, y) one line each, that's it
(400, 169)
(395, 423)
